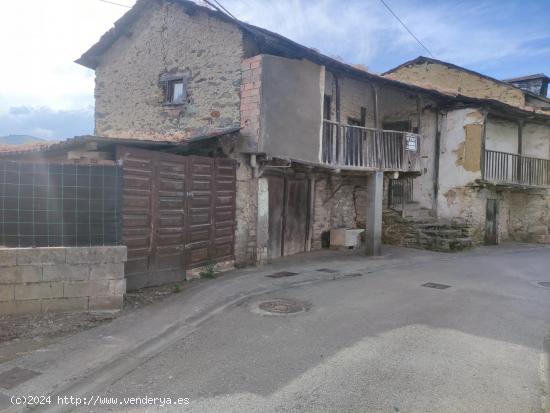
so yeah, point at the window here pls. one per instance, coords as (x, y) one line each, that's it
(326, 107)
(359, 122)
(175, 92)
(175, 88)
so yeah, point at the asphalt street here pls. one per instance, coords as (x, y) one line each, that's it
(369, 340)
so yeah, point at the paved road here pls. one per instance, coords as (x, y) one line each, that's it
(376, 342)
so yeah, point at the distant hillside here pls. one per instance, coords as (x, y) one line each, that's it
(19, 139)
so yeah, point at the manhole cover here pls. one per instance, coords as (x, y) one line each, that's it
(327, 270)
(545, 284)
(281, 274)
(281, 306)
(14, 377)
(436, 286)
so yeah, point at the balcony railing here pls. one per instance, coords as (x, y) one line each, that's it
(355, 147)
(509, 168)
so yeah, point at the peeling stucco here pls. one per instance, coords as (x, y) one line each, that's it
(468, 153)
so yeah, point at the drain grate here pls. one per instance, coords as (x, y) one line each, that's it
(436, 286)
(14, 377)
(353, 274)
(545, 284)
(327, 270)
(281, 274)
(282, 306)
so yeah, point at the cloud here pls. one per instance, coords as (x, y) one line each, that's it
(480, 35)
(47, 123)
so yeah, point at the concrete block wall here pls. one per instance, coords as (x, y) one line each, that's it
(61, 279)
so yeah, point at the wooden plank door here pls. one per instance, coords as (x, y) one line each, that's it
(153, 216)
(211, 210)
(491, 222)
(170, 182)
(295, 216)
(201, 218)
(276, 202)
(224, 210)
(138, 204)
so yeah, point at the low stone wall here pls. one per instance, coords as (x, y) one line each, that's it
(61, 279)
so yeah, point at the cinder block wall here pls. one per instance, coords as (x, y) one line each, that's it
(61, 279)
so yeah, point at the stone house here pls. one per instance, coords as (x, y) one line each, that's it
(321, 145)
(494, 157)
(239, 146)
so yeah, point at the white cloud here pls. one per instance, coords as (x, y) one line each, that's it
(39, 42)
(40, 39)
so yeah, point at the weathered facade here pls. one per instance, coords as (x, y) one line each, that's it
(129, 98)
(494, 157)
(318, 144)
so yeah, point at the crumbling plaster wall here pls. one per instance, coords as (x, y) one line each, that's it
(443, 77)
(501, 135)
(129, 97)
(536, 140)
(460, 167)
(528, 216)
(340, 202)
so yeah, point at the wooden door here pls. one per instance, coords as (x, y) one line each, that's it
(211, 203)
(178, 213)
(295, 216)
(288, 215)
(491, 222)
(153, 216)
(276, 188)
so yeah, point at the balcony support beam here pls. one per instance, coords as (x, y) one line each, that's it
(375, 194)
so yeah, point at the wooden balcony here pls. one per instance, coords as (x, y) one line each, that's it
(511, 169)
(355, 147)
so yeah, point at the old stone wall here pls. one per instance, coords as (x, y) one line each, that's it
(523, 215)
(61, 279)
(443, 77)
(528, 216)
(129, 96)
(340, 202)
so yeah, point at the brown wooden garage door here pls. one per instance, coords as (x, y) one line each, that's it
(178, 213)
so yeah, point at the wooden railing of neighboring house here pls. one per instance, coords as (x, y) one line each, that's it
(356, 147)
(509, 168)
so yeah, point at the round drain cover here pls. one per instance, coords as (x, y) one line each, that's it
(282, 306)
(545, 284)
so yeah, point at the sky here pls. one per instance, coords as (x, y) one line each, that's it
(45, 94)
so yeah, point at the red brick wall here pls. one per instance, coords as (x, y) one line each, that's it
(251, 96)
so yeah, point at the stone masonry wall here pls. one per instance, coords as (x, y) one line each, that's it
(340, 202)
(129, 98)
(523, 216)
(442, 77)
(73, 279)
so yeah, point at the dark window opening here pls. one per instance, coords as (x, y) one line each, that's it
(175, 92)
(175, 87)
(401, 126)
(326, 107)
(359, 122)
